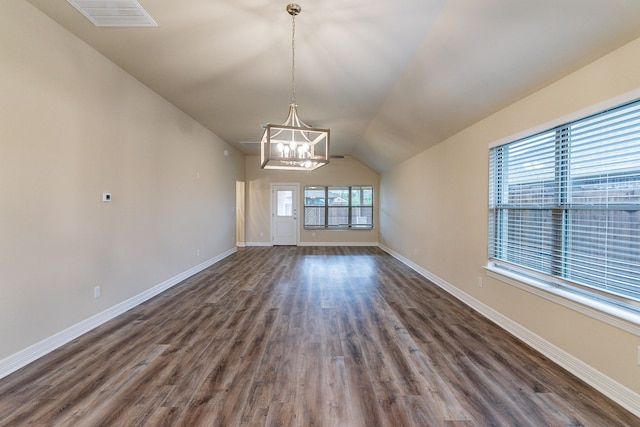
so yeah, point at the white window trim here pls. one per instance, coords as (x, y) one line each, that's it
(626, 320)
(312, 228)
(588, 111)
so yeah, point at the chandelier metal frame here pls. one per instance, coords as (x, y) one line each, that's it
(294, 145)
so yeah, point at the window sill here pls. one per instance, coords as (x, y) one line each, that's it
(619, 317)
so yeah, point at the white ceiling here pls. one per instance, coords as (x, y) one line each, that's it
(390, 78)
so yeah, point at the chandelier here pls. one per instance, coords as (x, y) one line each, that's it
(294, 145)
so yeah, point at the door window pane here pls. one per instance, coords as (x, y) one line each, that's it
(285, 203)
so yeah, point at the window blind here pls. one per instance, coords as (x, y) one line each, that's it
(565, 203)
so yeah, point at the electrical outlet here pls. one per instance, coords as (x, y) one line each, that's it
(479, 281)
(197, 252)
(96, 292)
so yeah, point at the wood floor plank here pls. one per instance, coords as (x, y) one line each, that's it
(309, 405)
(280, 415)
(336, 392)
(440, 393)
(300, 336)
(359, 377)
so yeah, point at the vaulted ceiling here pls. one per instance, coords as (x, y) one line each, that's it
(389, 78)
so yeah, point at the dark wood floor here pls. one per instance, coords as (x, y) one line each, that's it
(298, 337)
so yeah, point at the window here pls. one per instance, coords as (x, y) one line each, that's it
(564, 206)
(338, 207)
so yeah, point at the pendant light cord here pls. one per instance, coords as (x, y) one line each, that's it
(293, 59)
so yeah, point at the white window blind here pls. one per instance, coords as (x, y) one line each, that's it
(564, 205)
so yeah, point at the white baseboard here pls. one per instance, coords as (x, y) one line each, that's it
(24, 357)
(617, 392)
(258, 244)
(375, 244)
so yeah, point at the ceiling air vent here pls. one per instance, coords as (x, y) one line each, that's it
(116, 13)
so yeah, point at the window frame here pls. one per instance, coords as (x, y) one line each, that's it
(327, 208)
(621, 311)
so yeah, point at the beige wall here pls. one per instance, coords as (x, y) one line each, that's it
(74, 125)
(434, 212)
(347, 171)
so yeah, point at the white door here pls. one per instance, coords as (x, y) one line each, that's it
(284, 214)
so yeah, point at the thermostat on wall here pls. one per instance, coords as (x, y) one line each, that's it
(106, 197)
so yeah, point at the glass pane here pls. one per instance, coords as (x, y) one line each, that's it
(531, 171)
(362, 217)
(606, 144)
(339, 217)
(338, 196)
(285, 202)
(529, 239)
(604, 250)
(314, 196)
(609, 189)
(314, 217)
(362, 196)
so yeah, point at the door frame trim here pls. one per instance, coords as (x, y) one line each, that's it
(272, 196)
